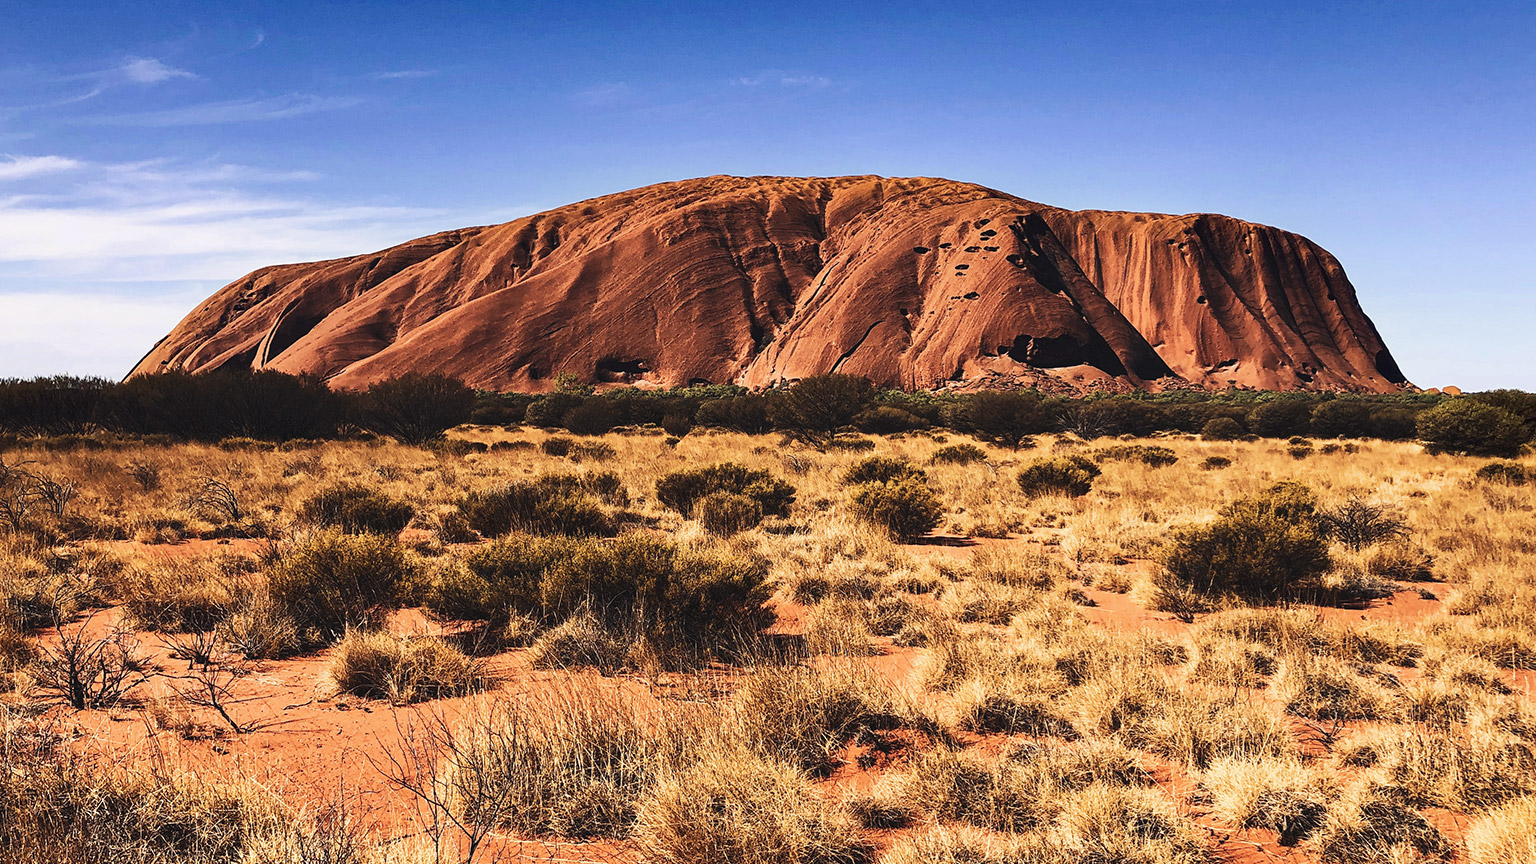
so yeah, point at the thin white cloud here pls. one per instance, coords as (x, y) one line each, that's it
(163, 221)
(22, 167)
(150, 70)
(58, 333)
(604, 94)
(229, 111)
(783, 79)
(406, 74)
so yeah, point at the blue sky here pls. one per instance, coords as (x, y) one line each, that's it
(151, 152)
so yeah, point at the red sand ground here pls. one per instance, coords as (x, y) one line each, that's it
(314, 748)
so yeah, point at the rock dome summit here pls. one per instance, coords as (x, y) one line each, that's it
(912, 282)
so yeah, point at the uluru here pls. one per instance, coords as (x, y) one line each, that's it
(912, 282)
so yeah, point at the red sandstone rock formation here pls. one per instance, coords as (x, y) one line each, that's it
(917, 282)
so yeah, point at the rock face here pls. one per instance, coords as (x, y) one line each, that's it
(917, 283)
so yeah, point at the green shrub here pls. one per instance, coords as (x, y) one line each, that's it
(332, 581)
(414, 407)
(1472, 427)
(726, 513)
(1222, 429)
(1259, 546)
(556, 446)
(680, 490)
(906, 507)
(1062, 475)
(887, 420)
(1149, 455)
(638, 580)
(1512, 473)
(496, 581)
(552, 504)
(881, 469)
(958, 454)
(356, 509)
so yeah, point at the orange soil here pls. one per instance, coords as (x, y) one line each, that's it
(314, 748)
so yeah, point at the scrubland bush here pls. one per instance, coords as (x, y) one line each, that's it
(356, 509)
(887, 420)
(414, 407)
(906, 508)
(1358, 523)
(881, 469)
(804, 716)
(1472, 427)
(1509, 473)
(1222, 429)
(1504, 835)
(556, 445)
(1149, 455)
(378, 665)
(1257, 547)
(1072, 476)
(680, 490)
(637, 585)
(552, 504)
(1279, 794)
(739, 808)
(56, 807)
(1215, 463)
(184, 594)
(1368, 825)
(727, 513)
(331, 581)
(958, 454)
(571, 765)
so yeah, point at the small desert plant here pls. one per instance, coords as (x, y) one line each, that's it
(958, 454)
(1016, 566)
(906, 508)
(881, 469)
(1122, 823)
(356, 509)
(1149, 455)
(1504, 835)
(182, 594)
(738, 808)
(805, 716)
(556, 446)
(1215, 463)
(580, 641)
(1320, 689)
(1072, 476)
(378, 665)
(87, 671)
(1368, 825)
(568, 765)
(331, 581)
(1509, 473)
(259, 629)
(552, 504)
(956, 787)
(1357, 523)
(1259, 546)
(681, 490)
(727, 513)
(1275, 793)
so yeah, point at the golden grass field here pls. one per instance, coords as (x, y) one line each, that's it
(1005, 690)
